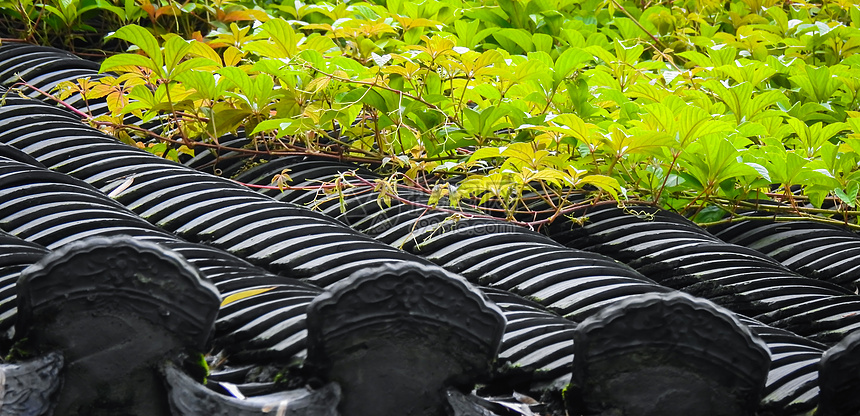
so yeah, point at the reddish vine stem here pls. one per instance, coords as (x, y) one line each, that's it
(780, 219)
(150, 133)
(370, 185)
(387, 88)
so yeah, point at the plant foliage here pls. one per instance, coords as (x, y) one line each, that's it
(707, 107)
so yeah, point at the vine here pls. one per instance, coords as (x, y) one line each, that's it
(692, 106)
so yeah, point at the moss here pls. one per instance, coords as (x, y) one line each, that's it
(20, 350)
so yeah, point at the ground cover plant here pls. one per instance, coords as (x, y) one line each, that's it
(706, 107)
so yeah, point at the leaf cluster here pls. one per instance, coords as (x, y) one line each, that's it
(697, 106)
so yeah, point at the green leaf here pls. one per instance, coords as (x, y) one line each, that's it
(712, 160)
(573, 126)
(515, 40)
(374, 99)
(811, 138)
(849, 195)
(629, 55)
(468, 34)
(473, 119)
(105, 5)
(279, 124)
(486, 153)
(193, 63)
(56, 12)
(602, 182)
(569, 61)
(542, 42)
(753, 72)
(710, 213)
(651, 143)
(699, 59)
(175, 49)
(488, 15)
(284, 37)
(722, 54)
(225, 119)
(125, 60)
(202, 82)
(143, 39)
(526, 71)
(264, 90)
(816, 83)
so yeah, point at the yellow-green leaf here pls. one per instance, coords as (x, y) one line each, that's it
(141, 38)
(244, 294)
(603, 182)
(127, 60)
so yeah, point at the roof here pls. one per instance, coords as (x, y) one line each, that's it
(582, 304)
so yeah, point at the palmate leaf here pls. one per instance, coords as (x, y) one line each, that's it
(573, 126)
(659, 117)
(722, 54)
(488, 15)
(223, 118)
(485, 122)
(603, 55)
(753, 72)
(166, 63)
(435, 47)
(783, 166)
(811, 138)
(694, 123)
(833, 163)
(553, 177)
(816, 83)
(648, 92)
(407, 23)
(369, 96)
(712, 160)
(63, 14)
(257, 92)
(808, 112)
(522, 156)
(682, 122)
(496, 184)
(628, 54)
(816, 174)
(742, 103)
(238, 79)
(698, 58)
(756, 110)
(736, 97)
